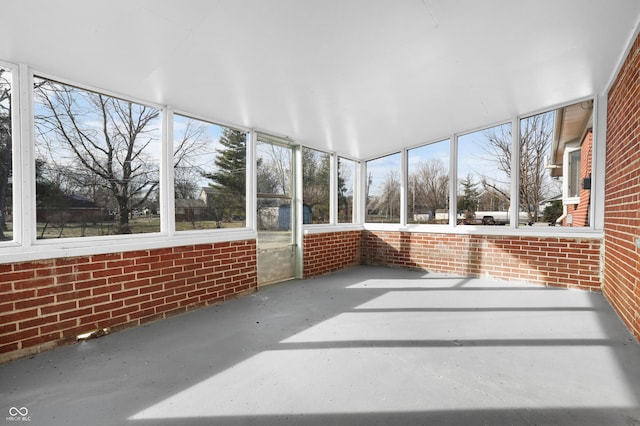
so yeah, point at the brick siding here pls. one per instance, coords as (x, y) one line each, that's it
(622, 193)
(48, 303)
(330, 252)
(580, 211)
(557, 262)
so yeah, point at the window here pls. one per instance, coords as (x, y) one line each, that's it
(535, 185)
(209, 163)
(275, 187)
(569, 153)
(6, 156)
(346, 176)
(316, 184)
(96, 171)
(573, 175)
(383, 190)
(484, 176)
(428, 184)
(96, 163)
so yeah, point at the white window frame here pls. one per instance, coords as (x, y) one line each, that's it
(25, 245)
(333, 187)
(595, 228)
(355, 182)
(452, 163)
(171, 113)
(402, 155)
(567, 164)
(17, 205)
(73, 241)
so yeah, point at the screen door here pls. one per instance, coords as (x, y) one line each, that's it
(275, 212)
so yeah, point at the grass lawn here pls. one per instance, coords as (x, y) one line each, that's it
(138, 225)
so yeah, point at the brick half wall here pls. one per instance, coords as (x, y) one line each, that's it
(44, 304)
(330, 252)
(557, 262)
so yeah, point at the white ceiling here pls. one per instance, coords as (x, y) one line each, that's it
(359, 77)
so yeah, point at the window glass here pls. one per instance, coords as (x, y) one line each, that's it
(559, 192)
(573, 178)
(316, 179)
(209, 163)
(383, 190)
(484, 177)
(428, 184)
(346, 176)
(97, 163)
(274, 190)
(6, 157)
(535, 184)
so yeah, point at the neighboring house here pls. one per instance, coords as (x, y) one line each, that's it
(189, 209)
(77, 209)
(201, 208)
(206, 194)
(571, 157)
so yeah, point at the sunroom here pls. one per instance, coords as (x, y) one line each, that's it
(158, 158)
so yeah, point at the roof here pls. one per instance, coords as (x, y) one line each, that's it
(571, 124)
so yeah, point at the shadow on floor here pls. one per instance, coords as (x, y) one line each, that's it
(367, 345)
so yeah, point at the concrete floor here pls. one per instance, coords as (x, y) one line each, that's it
(363, 346)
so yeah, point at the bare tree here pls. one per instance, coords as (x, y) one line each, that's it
(390, 197)
(188, 150)
(536, 133)
(106, 136)
(316, 183)
(6, 148)
(273, 169)
(429, 186)
(367, 188)
(274, 166)
(345, 190)
(534, 183)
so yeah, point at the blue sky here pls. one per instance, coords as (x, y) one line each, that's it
(205, 156)
(472, 159)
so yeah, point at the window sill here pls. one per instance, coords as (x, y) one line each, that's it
(524, 231)
(73, 247)
(323, 229)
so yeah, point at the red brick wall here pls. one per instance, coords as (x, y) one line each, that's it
(331, 251)
(47, 303)
(580, 211)
(622, 193)
(558, 262)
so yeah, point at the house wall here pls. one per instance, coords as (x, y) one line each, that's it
(550, 261)
(48, 303)
(621, 283)
(580, 211)
(581, 214)
(330, 252)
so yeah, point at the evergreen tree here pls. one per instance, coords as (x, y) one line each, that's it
(229, 179)
(469, 200)
(552, 212)
(231, 162)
